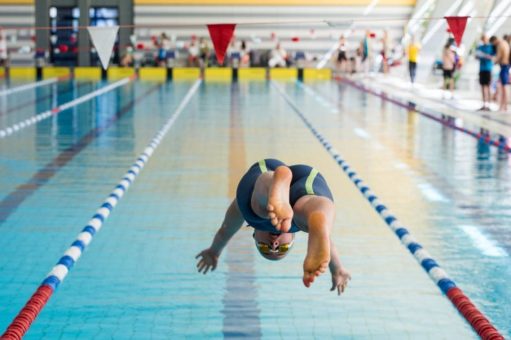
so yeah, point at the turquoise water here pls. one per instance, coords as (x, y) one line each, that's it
(137, 279)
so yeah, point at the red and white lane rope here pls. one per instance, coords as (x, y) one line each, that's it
(22, 322)
(31, 86)
(474, 317)
(5, 132)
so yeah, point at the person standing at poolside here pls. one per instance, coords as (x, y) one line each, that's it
(502, 58)
(448, 66)
(413, 56)
(485, 53)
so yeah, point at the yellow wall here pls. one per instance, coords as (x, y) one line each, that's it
(16, 2)
(252, 73)
(289, 74)
(223, 74)
(22, 72)
(185, 73)
(52, 72)
(114, 73)
(277, 2)
(89, 73)
(152, 73)
(315, 74)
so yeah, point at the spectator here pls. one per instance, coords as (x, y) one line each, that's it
(356, 59)
(203, 52)
(193, 53)
(163, 49)
(502, 58)
(366, 51)
(245, 55)
(385, 52)
(413, 56)
(342, 56)
(509, 43)
(3, 49)
(485, 53)
(448, 66)
(234, 53)
(278, 57)
(127, 58)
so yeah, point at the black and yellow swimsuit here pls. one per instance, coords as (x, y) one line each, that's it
(306, 181)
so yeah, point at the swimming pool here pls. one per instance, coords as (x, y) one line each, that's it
(138, 278)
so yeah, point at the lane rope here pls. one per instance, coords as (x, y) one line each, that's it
(5, 132)
(331, 23)
(22, 322)
(32, 85)
(500, 143)
(474, 317)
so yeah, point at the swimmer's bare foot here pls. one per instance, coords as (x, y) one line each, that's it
(279, 209)
(318, 249)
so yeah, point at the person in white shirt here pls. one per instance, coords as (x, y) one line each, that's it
(3, 49)
(278, 57)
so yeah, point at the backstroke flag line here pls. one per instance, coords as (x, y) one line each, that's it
(457, 26)
(221, 35)
(103, 39)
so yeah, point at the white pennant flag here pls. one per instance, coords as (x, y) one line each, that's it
(103, 39)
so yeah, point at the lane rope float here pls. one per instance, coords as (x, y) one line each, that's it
(56, 110)
(32, 85)
(501, 143)
(35, 304)
(472, 315)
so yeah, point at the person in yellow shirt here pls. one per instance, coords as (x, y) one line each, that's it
(413, 55)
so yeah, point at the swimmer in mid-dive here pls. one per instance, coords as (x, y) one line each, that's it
(277, 201)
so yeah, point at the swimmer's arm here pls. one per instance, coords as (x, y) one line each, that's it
(340, 276)
(233, 221)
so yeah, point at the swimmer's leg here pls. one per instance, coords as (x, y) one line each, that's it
(315, 215)
(270, 198)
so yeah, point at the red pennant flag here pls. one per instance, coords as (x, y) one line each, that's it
(457, 26)
(221, 35)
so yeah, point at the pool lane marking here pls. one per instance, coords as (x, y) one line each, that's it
(41, 99)
(29, 86)
(501, 144)
(449, 194)
(32, 85)
(467, 309)
(240, 308)
(361, 133)
(431, 193)
(56, 110)
(35, 304)
(485, 245)
(15, 198)
(427, 190)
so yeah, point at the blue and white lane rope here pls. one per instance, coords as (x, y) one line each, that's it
(438, 275)
(59, 272)
(46, 114)
(21, 323)
(435, 272)
(30, 86)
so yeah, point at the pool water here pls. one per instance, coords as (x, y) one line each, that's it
(138, 278)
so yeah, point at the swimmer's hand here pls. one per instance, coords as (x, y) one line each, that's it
(340, 278)
(208, 260)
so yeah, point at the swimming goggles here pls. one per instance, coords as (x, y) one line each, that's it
(268, 250)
